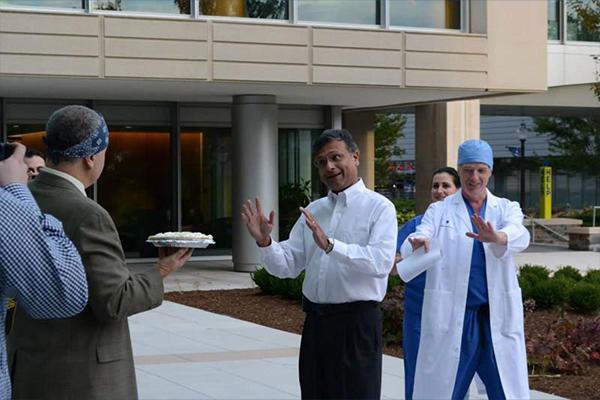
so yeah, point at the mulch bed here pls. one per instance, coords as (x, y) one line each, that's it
(284, 314)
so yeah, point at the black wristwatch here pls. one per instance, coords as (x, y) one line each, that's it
(329, 246)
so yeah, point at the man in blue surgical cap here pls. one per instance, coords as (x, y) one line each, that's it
(472, 310)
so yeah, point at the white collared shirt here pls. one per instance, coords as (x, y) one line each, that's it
(363, 225)
(68, 177)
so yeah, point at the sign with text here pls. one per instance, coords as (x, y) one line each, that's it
(546, 192)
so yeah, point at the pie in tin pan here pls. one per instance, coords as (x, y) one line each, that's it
(181, 239)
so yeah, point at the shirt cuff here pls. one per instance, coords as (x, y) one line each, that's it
(20, 192)
(340, 249)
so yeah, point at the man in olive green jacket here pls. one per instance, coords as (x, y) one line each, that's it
(88, 356)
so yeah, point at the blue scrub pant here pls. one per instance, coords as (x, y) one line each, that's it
(477, 355)
(411, 334)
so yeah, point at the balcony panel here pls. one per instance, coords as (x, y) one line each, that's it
(446, 79)
(357, 76)
(254, 72)
(54, 24)
(362, 39)
(357, 57)
(146, 68)
(155, 28)
(160, 49)
(51, 45)
(48, 65)
(246, 52)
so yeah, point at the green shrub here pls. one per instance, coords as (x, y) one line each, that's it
(530, 275)
(569, 273)
(393, 281)
(550, 293)
(584, 297)
(262, 279)
(593, 276)
(393, 315)
(290, 288)
(405, 210)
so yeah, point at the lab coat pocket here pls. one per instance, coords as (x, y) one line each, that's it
(437, 311)
(512, 321)
(447, 229)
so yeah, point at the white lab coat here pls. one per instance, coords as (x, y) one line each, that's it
(446, 223)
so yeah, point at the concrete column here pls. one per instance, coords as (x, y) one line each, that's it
(440, 129)
(362, 126)
(255, 162)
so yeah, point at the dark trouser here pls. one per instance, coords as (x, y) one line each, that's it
(341, 351)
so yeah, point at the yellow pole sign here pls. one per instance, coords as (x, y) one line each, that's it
(546, 192)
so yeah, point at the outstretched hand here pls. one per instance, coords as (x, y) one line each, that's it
(418, 242)
(170, 259)
(259, 226)
(486, 232)
(318, 235)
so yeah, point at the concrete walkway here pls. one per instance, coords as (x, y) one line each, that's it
(186, 353)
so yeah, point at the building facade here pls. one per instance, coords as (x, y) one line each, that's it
(213, 102)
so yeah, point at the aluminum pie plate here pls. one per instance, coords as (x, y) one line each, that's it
(196, 244)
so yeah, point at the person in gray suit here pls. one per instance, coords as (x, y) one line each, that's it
(87, 356)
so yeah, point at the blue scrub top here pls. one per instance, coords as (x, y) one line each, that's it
(413, 290)
(478, 291)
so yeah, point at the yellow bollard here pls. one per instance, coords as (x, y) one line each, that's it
(546, 192)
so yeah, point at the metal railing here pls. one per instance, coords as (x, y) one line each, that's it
(533, 223)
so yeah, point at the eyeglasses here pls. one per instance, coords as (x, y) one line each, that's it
(334, 158)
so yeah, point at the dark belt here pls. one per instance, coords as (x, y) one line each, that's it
(324, 309)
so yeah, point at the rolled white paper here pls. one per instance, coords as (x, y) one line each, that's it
(417, 262)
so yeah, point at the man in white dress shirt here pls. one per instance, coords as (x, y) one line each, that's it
(346, 244)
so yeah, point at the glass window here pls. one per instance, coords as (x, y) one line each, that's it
(135, 185)
(206, 185)
(425, 14)
(151, 6)
(583, 20)
(553, 20)
(30, 135)
(271, 9)
(44, 3)
(344, 11)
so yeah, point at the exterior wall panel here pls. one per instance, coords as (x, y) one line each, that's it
(246, 52)
(155, 28)
(241, 33)
(454, 62)
(357, 57)
(38, 23)
(357, 76)
(446, 43)
(145, 68)
(446, 79)
(357, 39)
(45, 44)
(48, 65)
(161, 49)
(259, 72)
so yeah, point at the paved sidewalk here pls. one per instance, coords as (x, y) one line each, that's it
(555, 257)
(186, 353)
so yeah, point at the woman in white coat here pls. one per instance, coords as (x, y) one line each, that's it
(472, 311)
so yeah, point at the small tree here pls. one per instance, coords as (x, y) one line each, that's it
(112, 5)
(588, 13)
(577, 140)
(388, 129)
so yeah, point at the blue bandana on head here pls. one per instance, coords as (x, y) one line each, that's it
(475, 151)
(90, 146)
